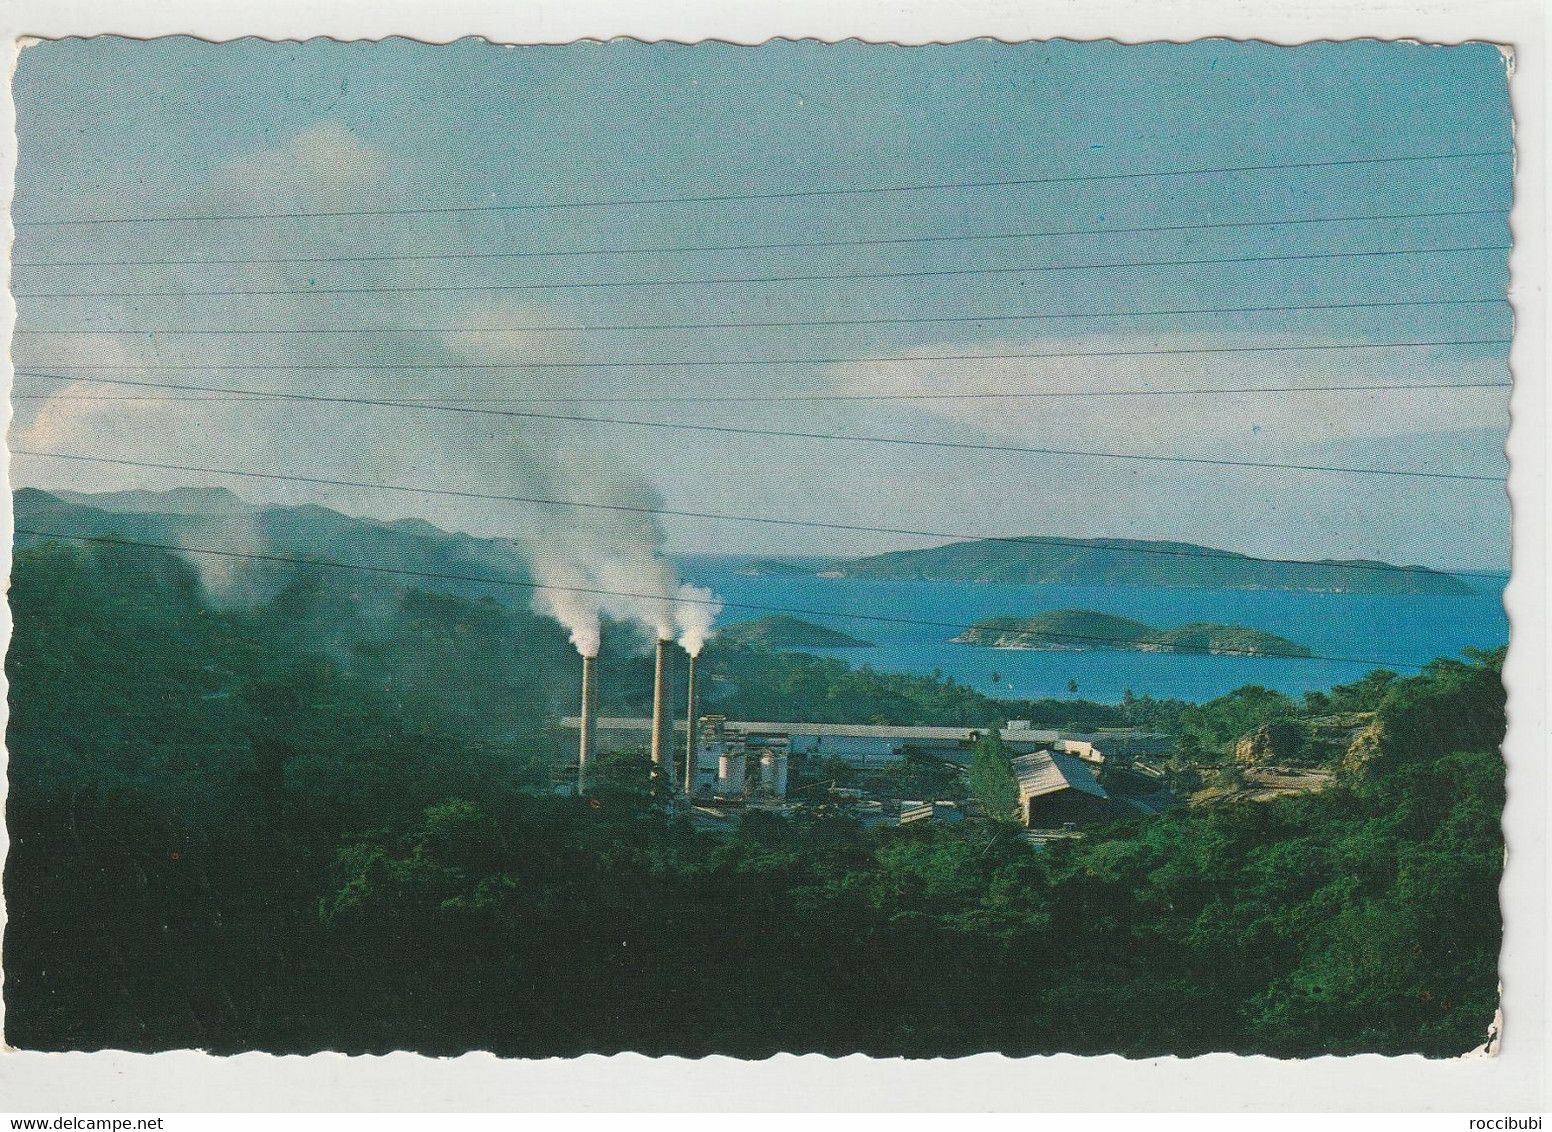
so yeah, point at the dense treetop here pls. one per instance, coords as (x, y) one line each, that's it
(325, 822)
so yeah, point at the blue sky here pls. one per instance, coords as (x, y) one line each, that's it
(116, 128)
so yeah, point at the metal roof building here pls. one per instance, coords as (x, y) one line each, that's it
(1048, 775)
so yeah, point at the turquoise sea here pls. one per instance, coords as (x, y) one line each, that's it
(1364, 631)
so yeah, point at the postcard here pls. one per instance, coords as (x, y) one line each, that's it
(697, 549)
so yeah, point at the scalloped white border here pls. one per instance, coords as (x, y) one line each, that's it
(1513, 1080)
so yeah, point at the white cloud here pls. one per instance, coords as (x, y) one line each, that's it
(1197, 424)
(326, 163)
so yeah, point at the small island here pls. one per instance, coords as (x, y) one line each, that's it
(1085, 629)
(780, 631)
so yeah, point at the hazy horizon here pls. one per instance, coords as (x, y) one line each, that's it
(707, 553)
(185, 129)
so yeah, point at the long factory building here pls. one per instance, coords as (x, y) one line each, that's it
(766, 744)
(871, 745)
(862, 744)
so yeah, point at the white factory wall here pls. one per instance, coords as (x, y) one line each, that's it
(852, 748)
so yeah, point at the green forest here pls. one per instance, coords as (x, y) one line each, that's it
(327, 821)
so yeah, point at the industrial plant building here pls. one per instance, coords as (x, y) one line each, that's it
(731, 761)
(868, 746)
(745, 761)
(1056, 788)
(863, 745)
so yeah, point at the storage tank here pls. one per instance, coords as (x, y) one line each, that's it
(773, 773)
(730, 774)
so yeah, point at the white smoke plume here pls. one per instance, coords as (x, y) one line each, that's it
(695, 614)
(644, 581)
(612, 563)
(605, 559)
(578, 612)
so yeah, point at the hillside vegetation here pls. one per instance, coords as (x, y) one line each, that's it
(782, 631)
(324, 821)
(1084, 629)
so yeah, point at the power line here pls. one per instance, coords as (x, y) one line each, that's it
(891, 321)
(782, 194)
(684, 426)
(594, 284)
(720, 516)
(604, 398)
(601, 592)
(380, 257)
(889, 359)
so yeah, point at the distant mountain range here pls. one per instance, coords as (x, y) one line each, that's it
(214, 518)
(1129, 562)
(177, 501)
(1084, 629)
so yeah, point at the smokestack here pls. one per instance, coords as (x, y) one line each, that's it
(589, 719)
(689, 747)
(662, 719)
